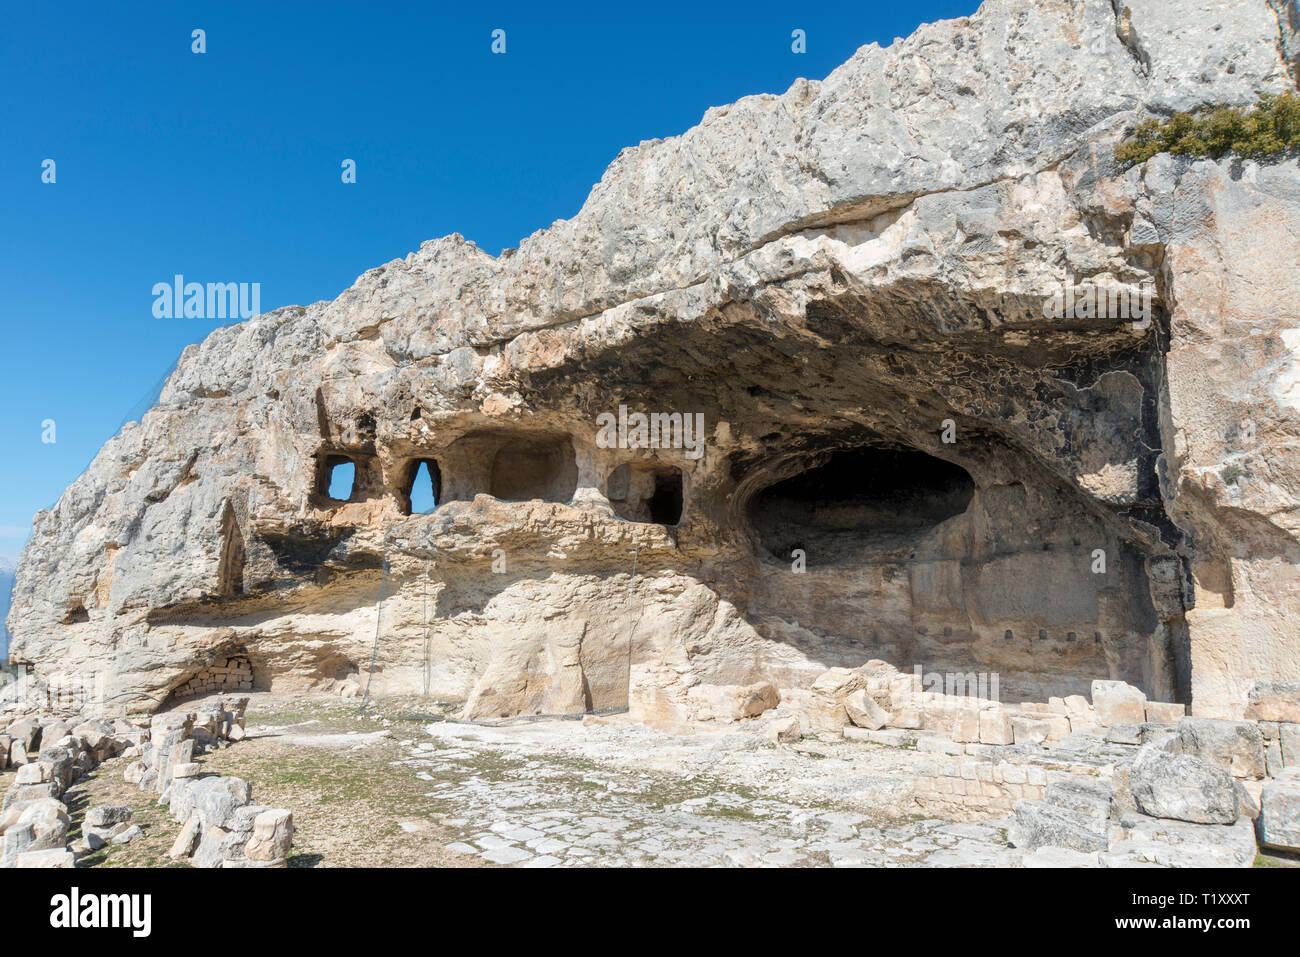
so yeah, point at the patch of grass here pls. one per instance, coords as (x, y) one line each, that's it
(1263, 859)
(1271, 127)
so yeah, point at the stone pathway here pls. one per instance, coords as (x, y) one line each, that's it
(557, 794)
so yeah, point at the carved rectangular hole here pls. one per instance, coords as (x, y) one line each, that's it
(338, 478)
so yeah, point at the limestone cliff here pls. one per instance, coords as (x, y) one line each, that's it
(904, 458)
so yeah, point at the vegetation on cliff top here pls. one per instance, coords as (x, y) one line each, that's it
(1272, 126)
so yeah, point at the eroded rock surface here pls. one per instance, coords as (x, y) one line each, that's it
(895, 453)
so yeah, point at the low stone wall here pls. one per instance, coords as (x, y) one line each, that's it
(223, 827)
(978, 786)
(223, 676)
(221, 824)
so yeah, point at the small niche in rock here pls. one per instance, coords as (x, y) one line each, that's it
(856, 500)
(422, 488)
(527, 469)
(76, 615)
(646, 493)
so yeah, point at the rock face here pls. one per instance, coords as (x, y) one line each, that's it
(871, 440)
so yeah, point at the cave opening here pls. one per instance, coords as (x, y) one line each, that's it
(338, 478)
(421, 489)
(77, 614)
(875, 498)
(524, 470)
(646, 493)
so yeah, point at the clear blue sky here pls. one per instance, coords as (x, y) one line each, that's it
(225, 166)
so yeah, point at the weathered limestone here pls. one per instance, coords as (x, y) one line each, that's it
(996, 727)
(1274, 701)
(864, 712)
(1236, 746)
(1040, 824)
(875, 267)
(1278, 824)
(1182, 787)
(1117, 702)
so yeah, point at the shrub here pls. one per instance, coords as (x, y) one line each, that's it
(1272, 126)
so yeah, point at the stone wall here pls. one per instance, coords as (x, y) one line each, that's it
(225, 675)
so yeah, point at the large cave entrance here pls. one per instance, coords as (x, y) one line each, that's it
(886, 552)
(856, 501)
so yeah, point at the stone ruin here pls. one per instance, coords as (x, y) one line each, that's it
(53, 750)
(1115, 781)
(794, 391)
(225, 674)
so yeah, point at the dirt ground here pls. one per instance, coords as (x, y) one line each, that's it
(346, 799)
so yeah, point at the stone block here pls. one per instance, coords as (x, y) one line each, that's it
(1278, 825)
(1124, 734)
(1118, 702)
(966, 725)
(272, 836)
(1237, 746)
(907, 719)
(106, 815)
(1289, 740)
(784, 730)
(1164, 712)
(1274, 701)
(864, 712)
(1030, 730)
(1041, 825)
(996, 728)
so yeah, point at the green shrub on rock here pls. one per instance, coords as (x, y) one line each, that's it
(1270, 127)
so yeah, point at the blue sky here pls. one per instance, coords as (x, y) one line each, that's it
(225, 166)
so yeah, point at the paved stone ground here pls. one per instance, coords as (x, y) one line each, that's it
(555, 794)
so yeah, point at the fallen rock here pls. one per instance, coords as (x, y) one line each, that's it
(1237, 746)
(128, 834)
(1038, 825)
(864, 712)
(52, 857)
(757, 698)
(1182, 787)
(186, 840)
(217, 799)
(1152, 842)
(1049, 856)
(49, 822)
(106, 815)
(1278, 825)
(783, 730)
(272, 836)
